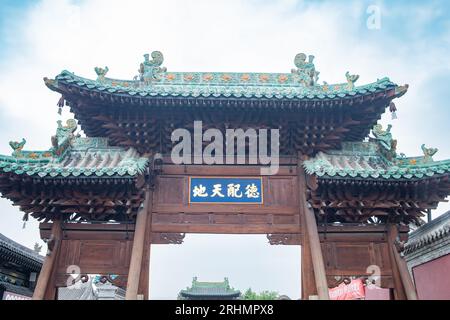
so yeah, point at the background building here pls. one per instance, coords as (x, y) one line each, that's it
(209, 291)
(428, 258)
(19, 267)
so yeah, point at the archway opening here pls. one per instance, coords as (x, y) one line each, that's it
(247, 261)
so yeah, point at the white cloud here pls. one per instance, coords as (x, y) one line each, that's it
(206, 35)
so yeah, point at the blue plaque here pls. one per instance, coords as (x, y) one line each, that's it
(225, 190)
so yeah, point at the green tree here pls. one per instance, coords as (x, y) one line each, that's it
(249, 294)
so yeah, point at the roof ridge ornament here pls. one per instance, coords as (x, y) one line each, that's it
(61, 141)
(306, 70)
(64, 136)
(151, 70)
(17, 147)
(428, 153)
(351, 79)
(386, 144)
(101, 73)
(401, 90)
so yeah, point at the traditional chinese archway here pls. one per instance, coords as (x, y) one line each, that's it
(104, 199)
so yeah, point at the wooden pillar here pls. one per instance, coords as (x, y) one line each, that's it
(316, 255)
(47, 270)
(307, 272)
(313, 238)
(405, 277)
(137, 252)
(399, 291)
(144, 279)
(51, 292)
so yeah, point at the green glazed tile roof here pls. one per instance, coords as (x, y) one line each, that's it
(156, 81)
(363, 160)
(84, 157)
(232, 88)
(216, 289)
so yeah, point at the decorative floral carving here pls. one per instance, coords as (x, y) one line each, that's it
(283, 239)
(245, 77)
(208, 77)
(263, 77)
(172, 238)
(170, 77)
(226, 77)
(282, 78)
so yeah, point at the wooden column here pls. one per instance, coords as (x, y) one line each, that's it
(316, 255)
(307, 270)
(51, 292)
(134, 272)
(45, 276)
(313, 238)
(308, 283)
(144, 279)
(405, 277)
(399, 291)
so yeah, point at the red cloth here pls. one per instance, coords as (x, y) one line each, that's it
(352, 291)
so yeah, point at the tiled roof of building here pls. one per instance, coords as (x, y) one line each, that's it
(74, 156)
(430, 233)
(155, 81)
(179, 87)
(210, 289)
(365, 160)
(19, 253)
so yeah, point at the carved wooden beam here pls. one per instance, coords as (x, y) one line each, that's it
(167, 238)
(284, 238)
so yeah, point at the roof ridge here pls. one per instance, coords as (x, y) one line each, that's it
(70, 155)
(425, 235)
(178, 82)
(377, 159)
(25, 251)
(154, 80)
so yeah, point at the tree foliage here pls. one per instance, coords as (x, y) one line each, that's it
(249, 294)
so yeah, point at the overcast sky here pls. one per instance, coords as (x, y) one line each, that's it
(41, 38)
